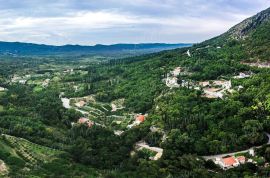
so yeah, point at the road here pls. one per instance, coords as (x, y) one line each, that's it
(233, 153)
(159, 151)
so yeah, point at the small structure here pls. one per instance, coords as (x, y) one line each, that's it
(139, 118)
(241, 76)
(228, 162)
(83, 120)
(80, 104)
(22, 81)
(118, 132)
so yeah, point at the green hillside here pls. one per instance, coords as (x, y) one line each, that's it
(156, 115)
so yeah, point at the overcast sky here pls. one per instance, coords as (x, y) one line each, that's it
(91, 22)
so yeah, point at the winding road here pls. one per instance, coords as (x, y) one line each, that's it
(233, 153)
(143, 144)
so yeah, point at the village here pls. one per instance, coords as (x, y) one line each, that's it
(211, 89)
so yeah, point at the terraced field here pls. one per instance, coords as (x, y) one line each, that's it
(31, 153)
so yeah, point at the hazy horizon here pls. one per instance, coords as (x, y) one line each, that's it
(61, 22)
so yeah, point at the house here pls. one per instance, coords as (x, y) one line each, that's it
(228, 162)
(80, 104)
(140, 118)
(83, 120)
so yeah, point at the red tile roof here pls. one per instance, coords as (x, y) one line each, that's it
(140, 118)
(241, 158)
(83, 120)
(230, 161)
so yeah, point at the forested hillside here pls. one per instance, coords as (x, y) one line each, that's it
(156, 115)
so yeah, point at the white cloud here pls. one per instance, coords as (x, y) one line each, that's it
(117, 21)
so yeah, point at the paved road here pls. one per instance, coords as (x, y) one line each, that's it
(233, 153)
(159, 151)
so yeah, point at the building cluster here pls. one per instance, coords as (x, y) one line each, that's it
(19, 79)
(211, 89)
(172, 80)
(230, 162)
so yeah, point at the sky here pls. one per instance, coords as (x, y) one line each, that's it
(89, 22)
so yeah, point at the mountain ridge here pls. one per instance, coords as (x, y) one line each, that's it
(20, 48)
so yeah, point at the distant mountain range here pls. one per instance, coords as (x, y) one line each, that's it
(17, 48)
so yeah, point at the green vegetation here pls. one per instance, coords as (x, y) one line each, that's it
(41, 137)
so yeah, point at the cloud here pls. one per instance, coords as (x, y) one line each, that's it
(114, 21)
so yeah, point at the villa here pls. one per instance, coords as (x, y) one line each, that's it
(230, 162)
